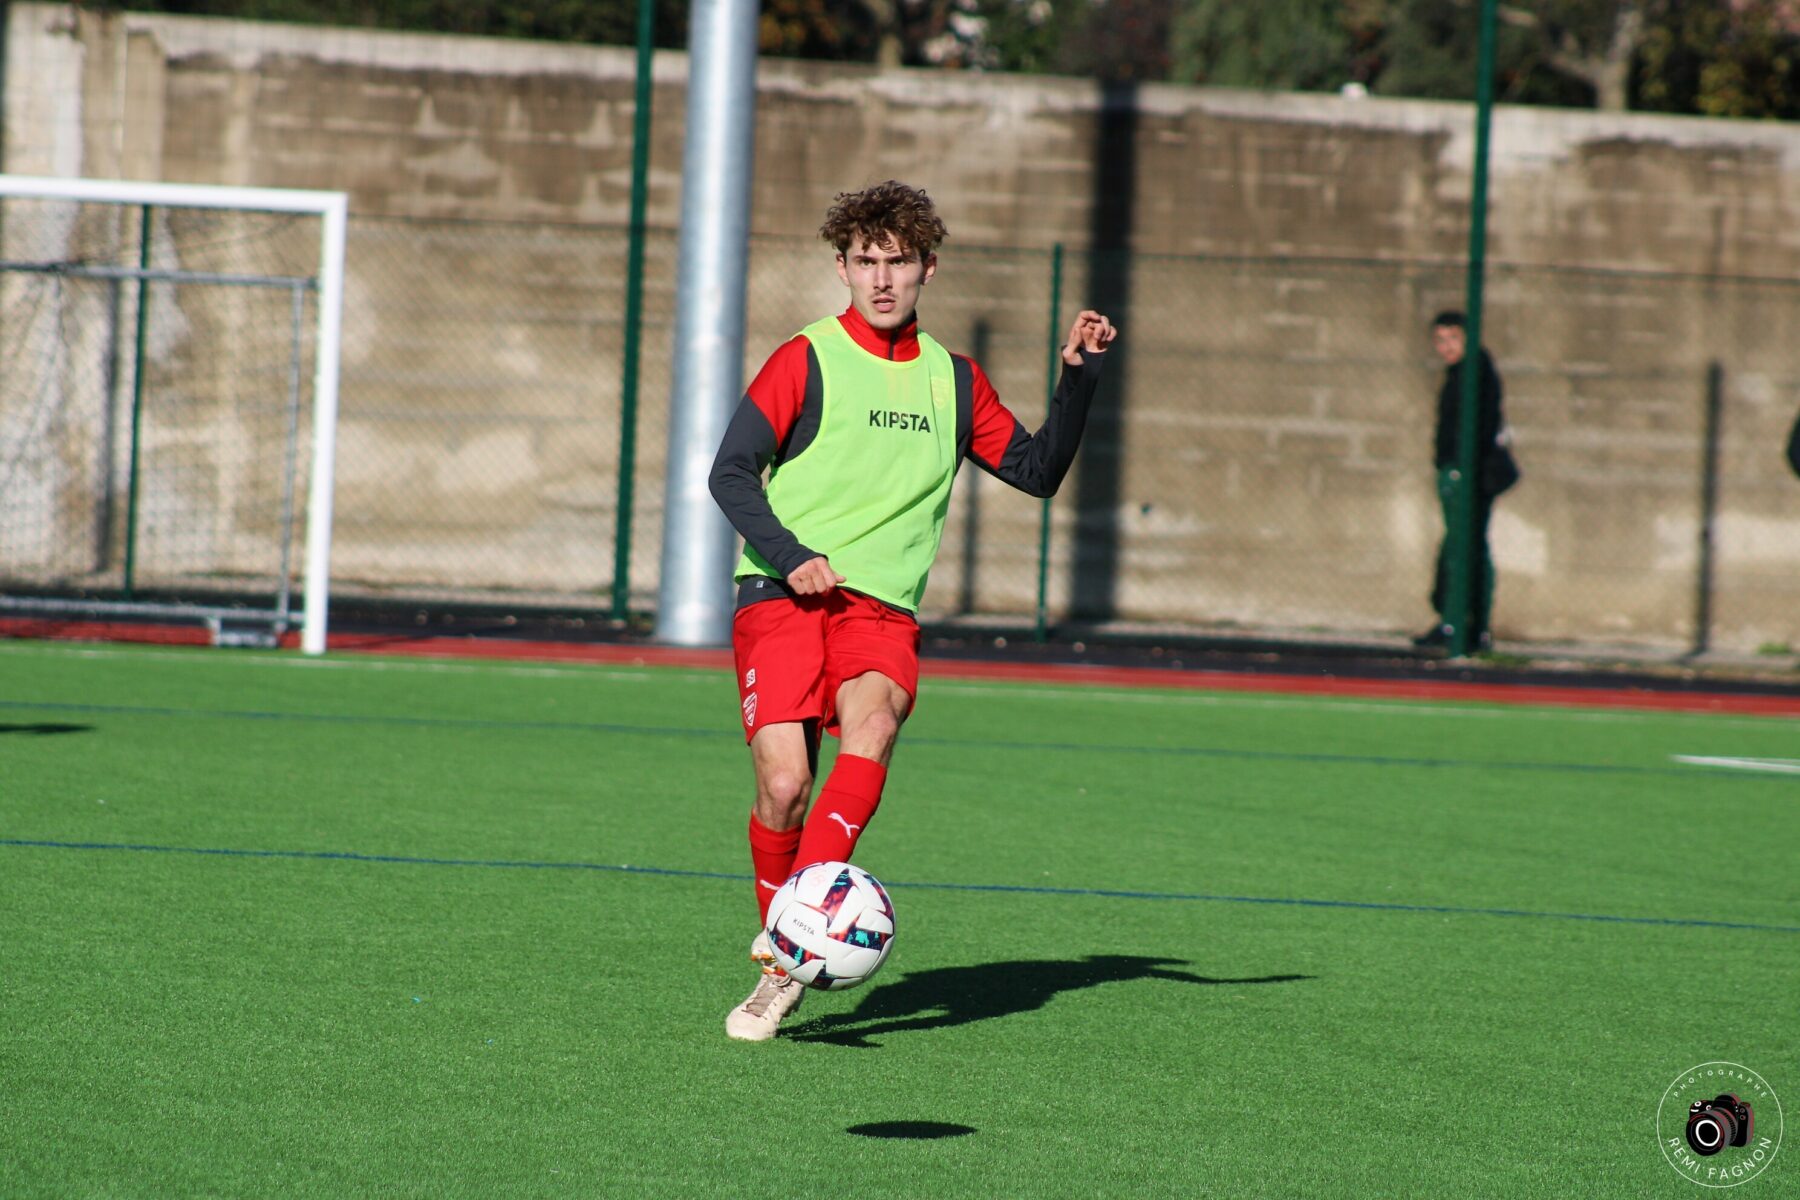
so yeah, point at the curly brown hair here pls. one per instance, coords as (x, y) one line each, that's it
(883, 213)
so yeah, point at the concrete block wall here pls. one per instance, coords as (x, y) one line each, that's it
(1264, 457)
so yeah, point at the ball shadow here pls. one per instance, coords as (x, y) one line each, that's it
(912, 1130)
(950, 996)
(45, 729)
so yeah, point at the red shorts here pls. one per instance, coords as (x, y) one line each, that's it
(794, 654)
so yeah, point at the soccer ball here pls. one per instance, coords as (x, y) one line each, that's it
(831, 925)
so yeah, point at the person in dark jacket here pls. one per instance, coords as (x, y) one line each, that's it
(1495, 471)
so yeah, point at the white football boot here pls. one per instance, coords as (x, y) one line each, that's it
(776, 995)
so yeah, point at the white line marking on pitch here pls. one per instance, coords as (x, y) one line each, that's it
(1775, 766)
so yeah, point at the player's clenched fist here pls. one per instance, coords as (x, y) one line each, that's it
(813, 577)
(1091, 332)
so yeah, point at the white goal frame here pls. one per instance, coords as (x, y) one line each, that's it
(333, 210)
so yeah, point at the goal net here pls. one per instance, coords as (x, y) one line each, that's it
(168, 407)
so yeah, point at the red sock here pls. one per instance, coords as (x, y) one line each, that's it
(772, 858)
(842, 811)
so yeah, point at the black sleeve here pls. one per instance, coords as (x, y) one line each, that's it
(1491, 420)
(1036, 463)
(737, 487)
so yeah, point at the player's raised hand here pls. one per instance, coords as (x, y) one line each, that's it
(1091, 332)
(813, 577)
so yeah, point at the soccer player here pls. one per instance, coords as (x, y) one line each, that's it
(861, 420)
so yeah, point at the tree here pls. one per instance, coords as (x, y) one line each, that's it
(815, 29)
(1728, 58)
(1428, 48)
(1593, 42)
(1121, 41)
(1289, 44)
(1010, 35)
(1722, 60)
(603, 21)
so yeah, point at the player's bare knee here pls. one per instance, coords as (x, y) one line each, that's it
(781, 797)
(877, 732)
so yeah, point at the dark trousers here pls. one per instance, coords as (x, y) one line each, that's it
(1481, 584)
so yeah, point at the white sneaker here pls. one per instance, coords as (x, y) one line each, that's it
(760, 1015)
(761, 953)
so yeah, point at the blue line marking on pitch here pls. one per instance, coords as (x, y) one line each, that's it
(1017, 889)
(736, 735)
(130, 710)
(348, 856)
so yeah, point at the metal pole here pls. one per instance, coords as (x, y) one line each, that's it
(634, 310)
(1042, 633)
(334, 212)
(1460, 589)
(284, 595)
(105, 515)
(1709, 508)
(137, 402)
(694, 594)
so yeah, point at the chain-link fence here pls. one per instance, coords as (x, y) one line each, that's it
(157, 366)
(1259, 460)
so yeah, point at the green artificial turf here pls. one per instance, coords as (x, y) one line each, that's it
(369, 926)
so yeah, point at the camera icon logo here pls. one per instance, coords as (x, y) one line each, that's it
(1719, 1124)
(1715, 1124)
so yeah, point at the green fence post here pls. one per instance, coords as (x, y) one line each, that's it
(634, 311)
(1043, 580)
(137, 402)
(1459, 591)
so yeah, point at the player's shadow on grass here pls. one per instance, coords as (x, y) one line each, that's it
(959, 995)
(43, 729)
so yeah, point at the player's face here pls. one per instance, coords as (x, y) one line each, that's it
(1449, 342)
(884, 281)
